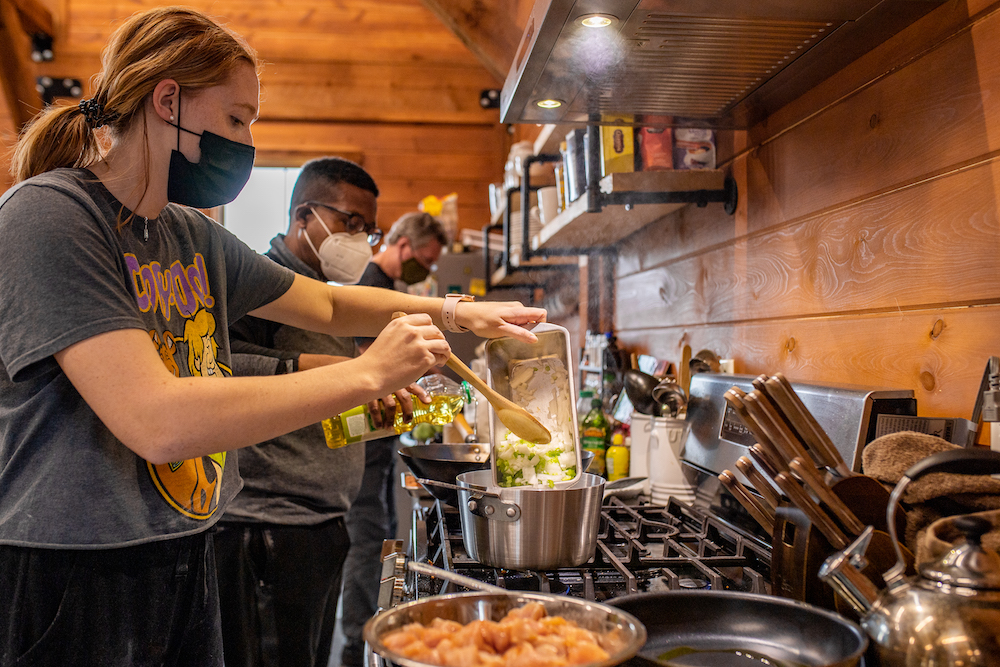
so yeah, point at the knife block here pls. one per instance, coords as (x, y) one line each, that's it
(798, 550)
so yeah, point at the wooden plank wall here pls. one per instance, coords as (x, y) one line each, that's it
(866, 246)
(380, 81)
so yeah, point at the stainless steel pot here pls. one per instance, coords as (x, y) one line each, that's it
(525, 528)
(622, 635)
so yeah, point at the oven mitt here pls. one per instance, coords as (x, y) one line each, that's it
(931, 497)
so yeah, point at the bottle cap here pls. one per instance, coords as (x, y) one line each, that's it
(617, 439)
(467, 392)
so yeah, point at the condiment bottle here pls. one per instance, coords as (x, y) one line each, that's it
(594, 436)
(355, 425)
(617, 462)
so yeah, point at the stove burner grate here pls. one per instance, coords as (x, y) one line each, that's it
(640, 548)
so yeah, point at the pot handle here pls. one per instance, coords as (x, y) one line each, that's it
(959, 461)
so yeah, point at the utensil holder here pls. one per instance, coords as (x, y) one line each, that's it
(657, 445)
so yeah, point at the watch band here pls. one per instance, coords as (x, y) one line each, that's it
(451, 302)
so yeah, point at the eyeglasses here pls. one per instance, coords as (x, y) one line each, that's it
(355, 223)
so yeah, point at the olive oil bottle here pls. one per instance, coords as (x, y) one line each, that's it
(356, 425)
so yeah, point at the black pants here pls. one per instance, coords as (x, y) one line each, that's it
(278, 588)
(154, 604)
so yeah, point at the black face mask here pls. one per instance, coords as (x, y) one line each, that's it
(413, 271)
(217, 178)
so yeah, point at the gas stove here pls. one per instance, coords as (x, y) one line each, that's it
(711, 543)
(641, 547)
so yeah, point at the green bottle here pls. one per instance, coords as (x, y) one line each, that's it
(594, 436)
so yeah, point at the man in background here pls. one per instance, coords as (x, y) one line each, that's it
(280, 547)
(412, 247)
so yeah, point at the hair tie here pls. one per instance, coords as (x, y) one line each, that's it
(93, 111)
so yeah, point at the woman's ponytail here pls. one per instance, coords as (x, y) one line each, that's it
(161, 43)
(58, 136)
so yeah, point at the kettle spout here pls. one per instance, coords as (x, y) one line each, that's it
(842, 571)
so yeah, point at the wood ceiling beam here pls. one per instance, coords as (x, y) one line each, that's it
(488, 28)
(35, 17)
(17, 71)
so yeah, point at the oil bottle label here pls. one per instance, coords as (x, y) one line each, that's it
(357, 425)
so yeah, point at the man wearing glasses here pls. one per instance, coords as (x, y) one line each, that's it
(412, 247)
(281, 546)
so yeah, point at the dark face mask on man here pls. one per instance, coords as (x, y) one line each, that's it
(217, 178)
(412, 271)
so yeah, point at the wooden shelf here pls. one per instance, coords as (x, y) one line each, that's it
(523, 273)
(576, 228)
(549, 138)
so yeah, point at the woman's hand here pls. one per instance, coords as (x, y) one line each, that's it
(492, 319)
(407, 347)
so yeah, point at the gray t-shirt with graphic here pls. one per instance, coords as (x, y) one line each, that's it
(71, 271)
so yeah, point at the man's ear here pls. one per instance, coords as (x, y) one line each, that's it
(166, 100)
(300, 215)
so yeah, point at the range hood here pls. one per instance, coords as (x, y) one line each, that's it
(723, 63)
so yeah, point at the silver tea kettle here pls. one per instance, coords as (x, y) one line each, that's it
(949, 614)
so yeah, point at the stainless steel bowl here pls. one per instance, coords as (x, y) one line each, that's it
(622, 635)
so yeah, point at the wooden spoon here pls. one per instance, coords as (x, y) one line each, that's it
(520, 422)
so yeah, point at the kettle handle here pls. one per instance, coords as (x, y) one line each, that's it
(959, 461)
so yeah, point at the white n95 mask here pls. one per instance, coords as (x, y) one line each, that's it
(342, 256)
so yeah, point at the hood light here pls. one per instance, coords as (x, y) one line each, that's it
(597, 20)
(548, 104)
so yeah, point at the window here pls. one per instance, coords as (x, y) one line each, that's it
(261, 210)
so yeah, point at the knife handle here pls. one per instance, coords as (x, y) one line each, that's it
(813, 433)
(759, 482)
(761, 514)
(808, 473)
(820, 519)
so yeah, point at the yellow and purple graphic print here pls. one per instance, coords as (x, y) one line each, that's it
(191, 487)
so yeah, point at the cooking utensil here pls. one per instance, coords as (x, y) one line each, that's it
(684, 377)
(735, 628)
(621, 633)
(453, 577)
(520, 422)
(670, 397)
(512, 415)
(820, 519)
(796, 457)
(443, 463)
(862, 496)
(530, 528)
(761, 514)
(639, 388)
(780, 389)
(949, 614)
(759, 482)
